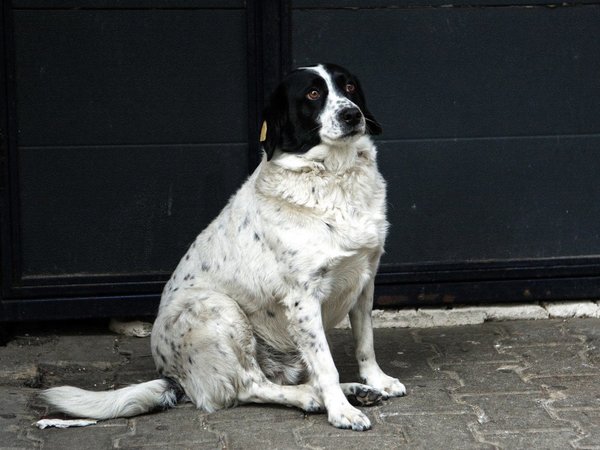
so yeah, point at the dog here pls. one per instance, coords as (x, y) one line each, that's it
(243, 317)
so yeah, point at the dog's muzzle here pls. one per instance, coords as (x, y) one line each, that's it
(352, 121)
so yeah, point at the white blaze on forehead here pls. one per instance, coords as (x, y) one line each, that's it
(331, 86)
(331, 128)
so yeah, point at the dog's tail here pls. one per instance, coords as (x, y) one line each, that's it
(125, 402)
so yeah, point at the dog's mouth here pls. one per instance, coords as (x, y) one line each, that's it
(357, 131)
(354, 131)
(344, 136)
(342, 140)
(341, 131)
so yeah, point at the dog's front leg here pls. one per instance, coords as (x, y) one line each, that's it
(306, 327)
(362, 329)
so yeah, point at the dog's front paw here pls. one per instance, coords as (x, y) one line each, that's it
(394, 388)
(349, 417)
(389, 386)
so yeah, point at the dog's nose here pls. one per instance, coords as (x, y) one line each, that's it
(352, 116)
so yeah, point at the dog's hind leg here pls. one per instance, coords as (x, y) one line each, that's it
(301, 396)
(211, 352)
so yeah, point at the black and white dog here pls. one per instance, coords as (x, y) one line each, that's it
(296, 249)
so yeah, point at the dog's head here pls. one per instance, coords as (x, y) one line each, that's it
(314, 105)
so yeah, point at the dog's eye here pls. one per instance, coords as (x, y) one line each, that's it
(350, 88)
(313, 94)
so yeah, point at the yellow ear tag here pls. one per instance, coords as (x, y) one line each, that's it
(263, 132)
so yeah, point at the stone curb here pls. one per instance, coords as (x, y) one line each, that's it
(429, 317)
(473, 315)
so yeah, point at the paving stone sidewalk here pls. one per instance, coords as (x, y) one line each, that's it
(522, 384)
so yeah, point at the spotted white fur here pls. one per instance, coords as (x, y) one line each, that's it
(243, 317)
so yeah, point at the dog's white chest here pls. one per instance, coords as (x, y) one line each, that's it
(334, 224)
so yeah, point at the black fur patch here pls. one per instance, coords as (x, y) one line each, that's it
(175, 388)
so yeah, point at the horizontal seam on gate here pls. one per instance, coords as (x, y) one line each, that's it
(556, 137)
(448, 6)
(90, 146)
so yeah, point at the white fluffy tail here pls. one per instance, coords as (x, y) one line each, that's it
(126, 402)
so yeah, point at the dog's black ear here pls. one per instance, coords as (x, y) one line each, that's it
(373, 127)
(274, 117)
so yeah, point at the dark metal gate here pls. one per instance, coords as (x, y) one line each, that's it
(126, 125)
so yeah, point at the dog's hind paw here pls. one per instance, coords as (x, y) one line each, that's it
(361, 394)
(313, 406)
(309, 401)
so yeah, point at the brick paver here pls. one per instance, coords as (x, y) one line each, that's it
(523, 384)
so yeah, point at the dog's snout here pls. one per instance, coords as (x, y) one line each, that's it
(351, 116)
